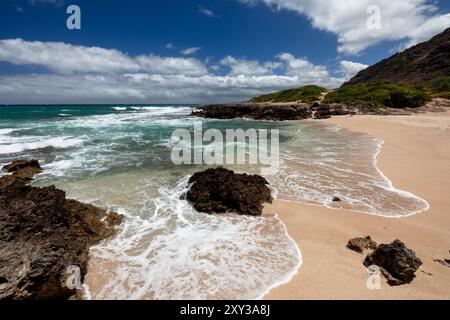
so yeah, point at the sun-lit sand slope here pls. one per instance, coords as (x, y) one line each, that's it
(416, 158)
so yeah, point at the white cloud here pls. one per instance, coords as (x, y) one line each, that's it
(189, 51)
(169, 65)
(413, 20)
(309, 72)
(207, 12)
(248, 67)
(138, 88)
(79, 74)
(66, 58)
(428, 29)
(170, 46)
(350, 68)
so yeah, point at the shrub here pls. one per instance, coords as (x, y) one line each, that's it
(439, 85)
(444, 95)
(379, 93)
(402, 97)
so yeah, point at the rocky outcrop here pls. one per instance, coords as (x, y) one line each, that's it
(42, 234)
(289, 111)
(23, 169)
(220, 190)
(361, 244)
(397, 263)
(421, 63)
(324, 111)
(257, 111)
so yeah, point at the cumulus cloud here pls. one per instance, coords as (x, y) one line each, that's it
(248, 67)
(302, 67)
(409, 20)
(79, 74)
(169, 65)
(350, 68)
(66, 58)
(138, 88)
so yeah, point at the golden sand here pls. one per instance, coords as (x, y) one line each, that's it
(416, 158)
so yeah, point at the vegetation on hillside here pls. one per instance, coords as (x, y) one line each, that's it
(306, 94)
(439, 88)
(375, 93)
(380, 93)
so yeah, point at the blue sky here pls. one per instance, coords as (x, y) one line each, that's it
(197, 51)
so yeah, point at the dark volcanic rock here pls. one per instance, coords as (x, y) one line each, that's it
(396, 261)
(24, 169)
(423, 62)
(220, 190)
(42, 234)
(361, 244)
(257, 111)
(324, 111)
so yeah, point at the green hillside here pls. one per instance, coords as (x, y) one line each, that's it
(380, 93)
(306, 94)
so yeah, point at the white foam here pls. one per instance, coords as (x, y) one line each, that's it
(179, 253)
(55, 142)
(6, 131)
(346, 169)
(120, 108)
(390, 186)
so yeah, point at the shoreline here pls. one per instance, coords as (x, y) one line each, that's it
(414, 158)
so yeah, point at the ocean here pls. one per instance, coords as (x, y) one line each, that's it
(118, 157)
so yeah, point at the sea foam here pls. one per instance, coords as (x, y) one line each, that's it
(173, 252)
(24, 145)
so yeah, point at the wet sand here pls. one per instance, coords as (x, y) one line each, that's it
(416, 158)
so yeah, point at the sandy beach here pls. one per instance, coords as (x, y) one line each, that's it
(416, 158)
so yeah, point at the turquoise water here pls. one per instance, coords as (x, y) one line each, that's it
(118, 157)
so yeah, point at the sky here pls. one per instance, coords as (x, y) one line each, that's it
(188, 51)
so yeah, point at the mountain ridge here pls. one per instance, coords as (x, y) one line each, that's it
(421, 63)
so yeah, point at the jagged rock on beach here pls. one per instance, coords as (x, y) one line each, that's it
(324, 111)
(257, 111)
(397, 262)
(220, 190)
(361, 243)
(24, 169)
(41, 234)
